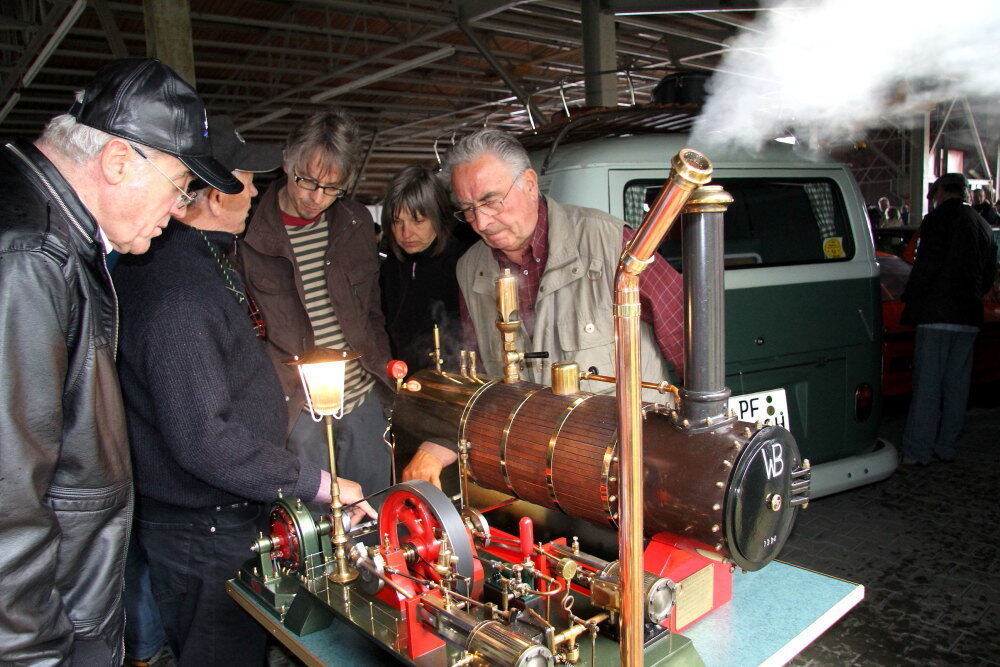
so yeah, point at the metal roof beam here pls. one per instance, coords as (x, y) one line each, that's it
(515, 87)
(110, 28)
(682, 6)
(394, 12)
(52, 31)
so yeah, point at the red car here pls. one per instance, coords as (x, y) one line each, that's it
(897, 339)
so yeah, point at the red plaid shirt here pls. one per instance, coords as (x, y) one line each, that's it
(661, 292)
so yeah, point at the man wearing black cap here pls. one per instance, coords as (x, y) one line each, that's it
(206, 416)
(954, 268)
(105, 176)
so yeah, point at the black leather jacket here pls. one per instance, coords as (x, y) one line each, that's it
(65, 471)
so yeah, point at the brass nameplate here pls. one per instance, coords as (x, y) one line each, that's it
(694, 596)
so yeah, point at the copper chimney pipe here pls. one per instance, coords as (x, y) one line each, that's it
(689, 170)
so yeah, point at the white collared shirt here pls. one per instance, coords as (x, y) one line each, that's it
(105, 241)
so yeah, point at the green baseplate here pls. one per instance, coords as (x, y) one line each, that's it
(292, 607)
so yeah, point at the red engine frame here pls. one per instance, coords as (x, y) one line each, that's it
(666, 555)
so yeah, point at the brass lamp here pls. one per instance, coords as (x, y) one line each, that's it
(322, 374)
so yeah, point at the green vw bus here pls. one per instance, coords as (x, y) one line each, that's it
(803, 318)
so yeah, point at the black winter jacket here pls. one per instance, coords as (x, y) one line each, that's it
(65, 473)
(419, 291)
(955, 266)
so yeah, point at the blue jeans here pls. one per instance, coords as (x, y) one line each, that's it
(362, 455)
(144, 634)
(942, 369)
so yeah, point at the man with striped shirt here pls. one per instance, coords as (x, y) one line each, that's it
(309, 260)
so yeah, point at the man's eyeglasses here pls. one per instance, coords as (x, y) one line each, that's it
(184, 199)
(313, 185)
(490, 206)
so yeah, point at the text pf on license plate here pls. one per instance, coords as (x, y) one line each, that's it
(769, 407)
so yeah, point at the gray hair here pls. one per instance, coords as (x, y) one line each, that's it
(498, 143)
(333, 136)
(78, 142)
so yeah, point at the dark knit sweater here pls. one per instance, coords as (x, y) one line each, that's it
(419, 291)
(206, 415)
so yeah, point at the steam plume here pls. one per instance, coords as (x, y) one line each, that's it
(834, 68)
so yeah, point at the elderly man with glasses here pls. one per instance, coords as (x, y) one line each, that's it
(106, 176)
(565, 258)
(309, 260)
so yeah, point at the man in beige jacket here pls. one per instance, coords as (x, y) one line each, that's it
(565, 258)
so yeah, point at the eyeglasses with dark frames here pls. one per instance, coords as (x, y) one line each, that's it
(184, 199)
(490, 206)
(312, 185)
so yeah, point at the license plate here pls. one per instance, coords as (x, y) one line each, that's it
(769, 407)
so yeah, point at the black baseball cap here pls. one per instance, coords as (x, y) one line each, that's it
(143, 100)
(234, 153)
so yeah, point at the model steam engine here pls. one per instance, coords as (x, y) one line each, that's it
(691, 494)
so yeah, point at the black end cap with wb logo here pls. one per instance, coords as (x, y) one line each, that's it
(759, 512)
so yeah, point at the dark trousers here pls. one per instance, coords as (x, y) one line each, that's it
(942, 370)
(192, 553)
(362, 455)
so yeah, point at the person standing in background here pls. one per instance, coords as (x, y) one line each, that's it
(955, 266)
(419, 288)
(982, 201)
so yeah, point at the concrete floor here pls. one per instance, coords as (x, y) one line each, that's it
(925, 545)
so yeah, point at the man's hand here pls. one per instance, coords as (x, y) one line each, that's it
(350, 492)
(425, 466)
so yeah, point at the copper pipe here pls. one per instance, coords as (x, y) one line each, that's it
(689, 170)
(662, 387)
